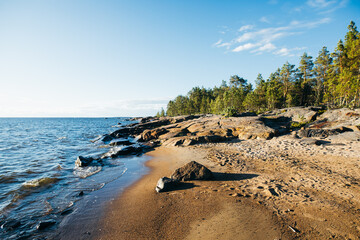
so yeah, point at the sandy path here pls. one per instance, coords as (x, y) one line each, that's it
(201, 210)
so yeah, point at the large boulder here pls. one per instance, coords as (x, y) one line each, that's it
(165, 184)
(192, 171)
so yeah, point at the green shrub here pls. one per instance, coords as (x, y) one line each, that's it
(298, 124)
(229, 112)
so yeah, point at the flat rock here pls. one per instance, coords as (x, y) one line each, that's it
(192, 171)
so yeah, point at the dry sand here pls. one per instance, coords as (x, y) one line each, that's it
(284, 188)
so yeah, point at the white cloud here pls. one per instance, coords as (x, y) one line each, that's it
(246, 46)
(246, 27)
(289, 52)
(327, 6)
(218, 42)
(264, 40)
(264, 20)
(266, 47)
(313, 24)
(320, 3)
(283, 52)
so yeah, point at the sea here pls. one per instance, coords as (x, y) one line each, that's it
(39, 182)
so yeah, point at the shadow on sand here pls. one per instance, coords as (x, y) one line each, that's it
(219, 176)
(181, 186)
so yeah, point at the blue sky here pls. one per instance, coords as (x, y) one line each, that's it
(128, 58)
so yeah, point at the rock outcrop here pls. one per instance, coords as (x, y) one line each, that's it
(295, 114)
(314, 122)
(338, 118)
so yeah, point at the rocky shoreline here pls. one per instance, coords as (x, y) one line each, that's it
(300, 164)
(300, 122)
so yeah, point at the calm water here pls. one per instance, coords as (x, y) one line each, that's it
(38, 178)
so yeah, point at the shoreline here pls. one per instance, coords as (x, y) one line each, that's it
(83, 222)
(272, 181)
(200, 210)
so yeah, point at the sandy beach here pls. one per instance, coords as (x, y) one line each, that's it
(197, 210)
(277, 189)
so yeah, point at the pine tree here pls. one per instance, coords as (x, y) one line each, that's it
(287, 78)
(306, 79)
(321, 73)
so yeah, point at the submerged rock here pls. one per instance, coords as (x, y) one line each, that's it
(121, 143)
(128, 150)
(165, 184)
(83, 161)
(107, 138)
(11, 225)
(192, 171)
(45, 224)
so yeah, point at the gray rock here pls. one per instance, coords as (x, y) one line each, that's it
(165, 184)
(83, 161)
(192, 171)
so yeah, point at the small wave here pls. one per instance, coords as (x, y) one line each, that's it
(61, 138)
(84, 172)
(97, 138)
(8, 178)
(40, 182)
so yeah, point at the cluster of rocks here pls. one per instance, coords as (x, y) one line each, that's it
(189, 130)
(190, 171)
(315, 122)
